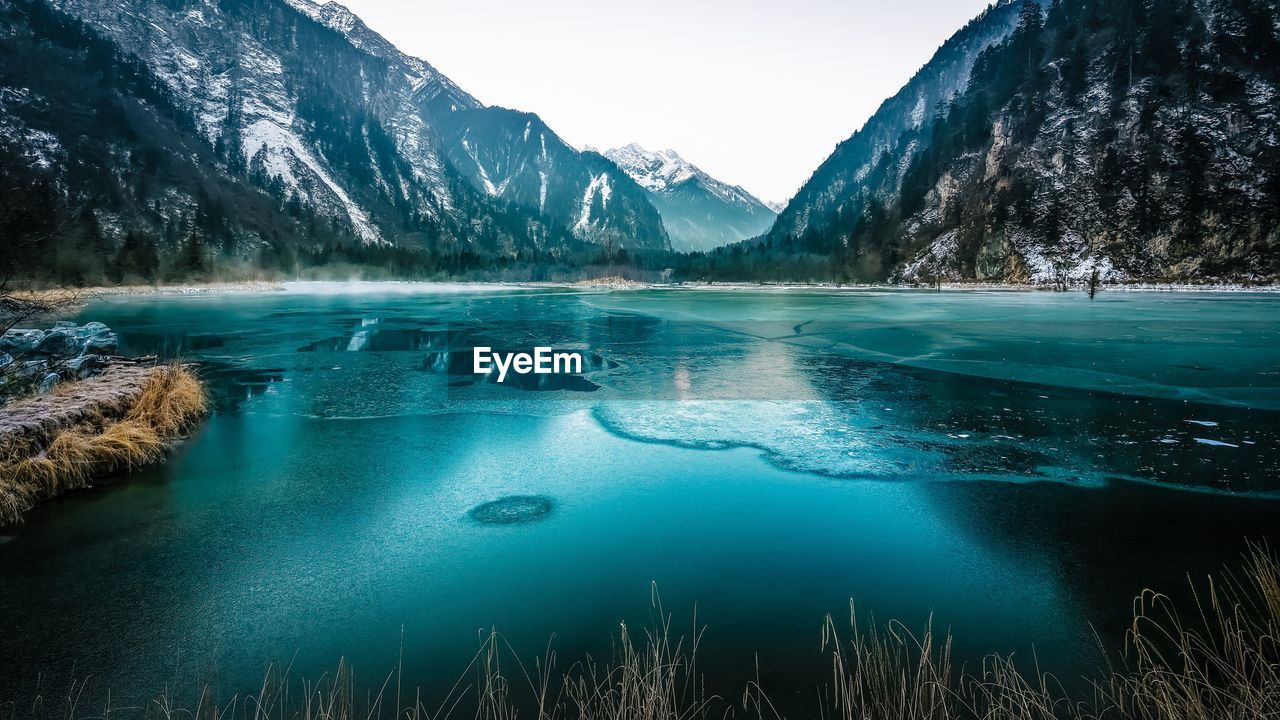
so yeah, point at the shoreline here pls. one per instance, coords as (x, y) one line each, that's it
(80, 296)
(124, 418)
(945, 287)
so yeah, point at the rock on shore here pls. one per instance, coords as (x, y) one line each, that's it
(34, 359)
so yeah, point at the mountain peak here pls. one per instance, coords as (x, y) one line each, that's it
(668, 154)
(655, 171)
(663, 170)
(339, 18)
(690, 199)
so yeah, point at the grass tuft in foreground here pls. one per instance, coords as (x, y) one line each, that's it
(170, 403)
(1215, 658)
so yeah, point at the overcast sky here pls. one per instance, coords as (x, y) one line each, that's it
(756, 93)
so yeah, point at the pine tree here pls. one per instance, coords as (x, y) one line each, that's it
(137, 259)
(192, 261)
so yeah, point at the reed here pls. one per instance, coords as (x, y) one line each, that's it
(1215, 657)
(654, 680)
(1219, 657)
(169, 404)
(888, 672)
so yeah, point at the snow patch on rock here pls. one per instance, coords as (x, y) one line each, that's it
(599, 184)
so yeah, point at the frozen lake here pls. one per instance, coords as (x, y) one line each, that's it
(1017, 464)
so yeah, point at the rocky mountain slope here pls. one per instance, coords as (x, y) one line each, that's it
(699, 211)
(514, 158)
(261, 129)
(898, 128)
(1127, 139)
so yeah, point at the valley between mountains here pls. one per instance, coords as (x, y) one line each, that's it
(163, 141)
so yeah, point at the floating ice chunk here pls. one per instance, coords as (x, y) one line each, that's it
(1215, 443)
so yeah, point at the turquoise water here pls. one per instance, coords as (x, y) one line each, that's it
(1016, 465)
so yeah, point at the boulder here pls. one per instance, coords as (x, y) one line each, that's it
(98, 338)
(31, 369)
(47, 383)
(81, 367)
(21, 342)
(40, 358)
(62, 343)
(65, 340)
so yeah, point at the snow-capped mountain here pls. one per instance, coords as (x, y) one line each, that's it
(513, 157)
(428, 85)
(263, 127)
(699, 211)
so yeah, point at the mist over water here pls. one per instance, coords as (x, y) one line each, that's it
(1017, 465)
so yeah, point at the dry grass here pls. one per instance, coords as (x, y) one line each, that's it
(170, 402)
(887, 672)
(1215, 658)
(656, 680)
(1219, 658)
(53, 298)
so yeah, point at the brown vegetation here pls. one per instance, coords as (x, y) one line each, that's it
(102, 439)
(1215, 658)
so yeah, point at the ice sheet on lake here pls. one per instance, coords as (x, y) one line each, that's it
(843, 385)
(804, 436)
(1153, 346)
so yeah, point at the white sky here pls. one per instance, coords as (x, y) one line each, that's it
(755, 92)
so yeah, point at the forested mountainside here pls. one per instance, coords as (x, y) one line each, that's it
(514, 158)
(1137, 139)
(141, 138)
(698, 211)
